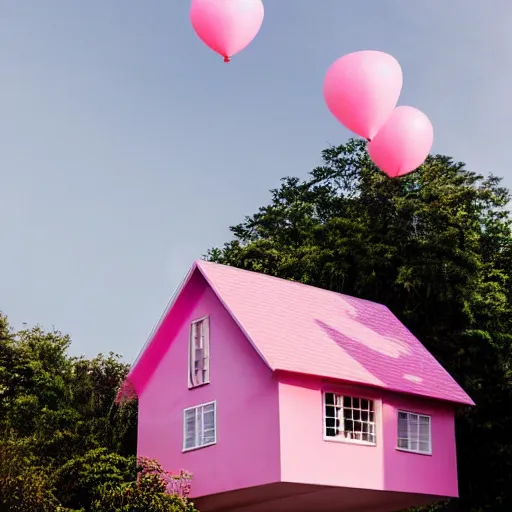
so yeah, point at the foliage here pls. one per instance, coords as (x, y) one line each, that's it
(66, 445)
(436, 248)
(79, 479)
(156, 490)
(23, 485)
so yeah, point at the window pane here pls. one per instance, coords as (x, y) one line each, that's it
(199, 423)
(209, 436)
(190, 430)
(402, 425)
(352, 420)
(424, 447)
(330, 411)
(403, 443)
(209, 407)
(201, 333)
(197, 335)
(424, 432)
(209, 420)
(413, 432)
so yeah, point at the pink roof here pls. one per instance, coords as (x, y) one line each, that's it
(303, 329)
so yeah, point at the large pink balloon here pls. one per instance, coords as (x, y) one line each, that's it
(226, 26)
(361, 90)
(403, 143)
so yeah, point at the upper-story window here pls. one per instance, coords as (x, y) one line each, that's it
(414, 432)
(348, 418)
(199, 353)
(200, 426)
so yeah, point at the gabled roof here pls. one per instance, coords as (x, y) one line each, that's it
(303, 329)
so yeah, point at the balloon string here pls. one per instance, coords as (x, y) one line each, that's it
(227, 59)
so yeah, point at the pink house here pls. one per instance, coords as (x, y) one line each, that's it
(281, 397)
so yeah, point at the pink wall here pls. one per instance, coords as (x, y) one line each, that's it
(247, 449)
(426, 474)
(307, 458)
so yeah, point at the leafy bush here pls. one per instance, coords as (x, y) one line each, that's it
(155, 490)
(77, 481)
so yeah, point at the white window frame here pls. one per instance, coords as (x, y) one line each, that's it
(342, 439)
(192, 352)
(408, 438)
(199, 434)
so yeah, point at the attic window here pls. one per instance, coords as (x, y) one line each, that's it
(348, 418)
(199, 353)
(414, 433)
(199, 426)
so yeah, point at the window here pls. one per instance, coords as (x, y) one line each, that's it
(199, 426)
(348, 418)
(199, 353)
(414, 433)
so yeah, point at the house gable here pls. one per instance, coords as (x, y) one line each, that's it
(184, 300)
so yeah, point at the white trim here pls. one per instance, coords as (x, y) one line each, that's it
(340, 439)
(196, 407)
(420, 415)
(207, 338)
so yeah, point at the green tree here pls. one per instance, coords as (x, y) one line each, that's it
(64, 405)
(435, 247)
(24, 485)
(61, 410)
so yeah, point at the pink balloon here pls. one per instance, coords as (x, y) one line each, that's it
(403, 143)
(226, 26)
(361, 90)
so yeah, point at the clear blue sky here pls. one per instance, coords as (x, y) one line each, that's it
(127, 148)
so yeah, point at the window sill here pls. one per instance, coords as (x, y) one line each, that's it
(416, 452)
(198, 385)
(348, 441)
(194, 448)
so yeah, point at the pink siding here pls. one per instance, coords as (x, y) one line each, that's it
(307, 458)
(247, 449)
(426, 474)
